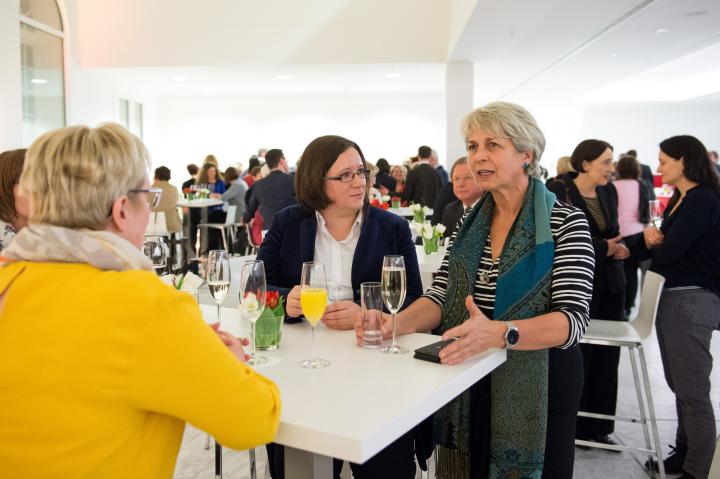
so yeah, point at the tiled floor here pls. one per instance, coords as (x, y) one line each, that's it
(194, 462)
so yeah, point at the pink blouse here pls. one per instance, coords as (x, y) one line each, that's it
(628, 192)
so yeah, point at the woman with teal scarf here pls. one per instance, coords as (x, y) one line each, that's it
(517, 275)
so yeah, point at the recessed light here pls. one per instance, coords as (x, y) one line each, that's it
(38, 81)
(179, 79)
(662, 30)
(285, 77)
(392, 75)
(698, 13)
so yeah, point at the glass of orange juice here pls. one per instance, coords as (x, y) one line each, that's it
(313, 301)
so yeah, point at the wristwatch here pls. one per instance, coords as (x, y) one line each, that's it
(512, 335)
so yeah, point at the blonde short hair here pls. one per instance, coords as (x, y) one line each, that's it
(564, 165)
(73, 175)
(508, 120)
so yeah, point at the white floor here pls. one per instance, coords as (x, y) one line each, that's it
(194, 462)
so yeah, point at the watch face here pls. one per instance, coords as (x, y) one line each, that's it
(512, 337)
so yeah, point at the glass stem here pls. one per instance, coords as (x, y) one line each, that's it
(312, 355)
(394, 340)
(218, 306)
(252, 339)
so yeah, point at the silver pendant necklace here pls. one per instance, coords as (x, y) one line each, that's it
(484, 275)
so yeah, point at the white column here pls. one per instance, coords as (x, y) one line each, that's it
(10, 80)
(458, 103)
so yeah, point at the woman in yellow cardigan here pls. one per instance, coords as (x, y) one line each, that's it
(101, 364)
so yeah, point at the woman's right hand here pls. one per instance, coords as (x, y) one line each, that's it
(234, 345)
(653, 237)
(293, 308)
(385, 326)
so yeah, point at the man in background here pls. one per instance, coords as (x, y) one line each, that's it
(422, 183)
(435, 163)
(467, 192)
(272, 193)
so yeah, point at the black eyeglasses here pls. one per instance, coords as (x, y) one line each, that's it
(153, 195)
(348, 176)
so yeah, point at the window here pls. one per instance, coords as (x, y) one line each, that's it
(41, 51)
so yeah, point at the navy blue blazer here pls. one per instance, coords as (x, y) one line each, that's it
(291, 241)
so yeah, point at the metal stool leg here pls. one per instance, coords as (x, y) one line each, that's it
(253, 471)
(641, 401)
(207, 441)
(218, 461)
(651, 410)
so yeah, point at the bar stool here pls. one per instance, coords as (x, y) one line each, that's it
(631, 336)
(227, 227)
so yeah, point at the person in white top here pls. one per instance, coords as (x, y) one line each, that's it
(333, 224)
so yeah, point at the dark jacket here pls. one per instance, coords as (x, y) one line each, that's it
(451, 215)
(270, 195)
(443, 174)
(689, 254)
(422, 185)
(609, 274)
(384, 179)
(445, 196)
(291, 241)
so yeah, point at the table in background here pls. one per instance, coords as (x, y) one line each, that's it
(203, 205)
(429, 264)
(359, 404)
(406, 212)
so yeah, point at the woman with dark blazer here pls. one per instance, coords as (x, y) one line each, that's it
(590, 190)
(334, 224)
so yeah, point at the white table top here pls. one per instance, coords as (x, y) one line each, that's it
(429, 263)
(204, 203)
(406, 212)
(364, 400)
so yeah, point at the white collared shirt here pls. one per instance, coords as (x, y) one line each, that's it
(337, 256)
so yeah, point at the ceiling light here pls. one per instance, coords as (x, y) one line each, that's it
(284, 77)
(614, 54)
(38, 81)
(392, 75)
(179, 79)
(698, 13)
(662, 30)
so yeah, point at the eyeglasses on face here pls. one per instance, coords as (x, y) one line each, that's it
(153, 195)
(348, 176)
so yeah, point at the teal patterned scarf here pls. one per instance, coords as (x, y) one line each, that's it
(519, 387)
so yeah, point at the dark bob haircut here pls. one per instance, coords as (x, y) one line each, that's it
(383, 166)
(697, 166)
(628, 168)
(587, 150)
(11, 165)
(316, 160)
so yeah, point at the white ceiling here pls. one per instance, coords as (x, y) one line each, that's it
(539, 49)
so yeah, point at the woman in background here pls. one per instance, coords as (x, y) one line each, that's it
(399, 173)
(13, 204)
(633, 215)
(685, 251)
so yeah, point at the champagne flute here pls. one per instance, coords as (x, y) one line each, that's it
(252, 301)
(313, 301)
(156, 251)
(393, 289)
(218, 276)
(656, 213)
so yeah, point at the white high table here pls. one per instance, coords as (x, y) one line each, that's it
(428, 263)
(359, 404)
(203, 204)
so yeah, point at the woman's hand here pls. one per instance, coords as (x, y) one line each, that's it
(653, 237)
(215, 195)
(235, 345)
(476, 335)
(385, 326)
(340, 315)
(612, 245)
(621, 251)
(293, 308)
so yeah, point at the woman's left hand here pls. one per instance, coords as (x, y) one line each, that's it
(476, 335)
(340, 315)
(622, 252)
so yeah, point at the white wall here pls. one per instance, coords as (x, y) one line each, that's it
(10, 78)
(390, 125)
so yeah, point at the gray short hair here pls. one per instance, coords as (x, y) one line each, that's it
(511, 121)
(73, 175)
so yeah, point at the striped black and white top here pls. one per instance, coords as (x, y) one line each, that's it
(572, 276)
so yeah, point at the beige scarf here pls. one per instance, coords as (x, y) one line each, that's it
(56, 244)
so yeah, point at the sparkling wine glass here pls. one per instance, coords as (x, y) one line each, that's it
(218, 276)
(393, 289)
(313, 301)
(156, 251)
(656, 213)
(252, 301)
